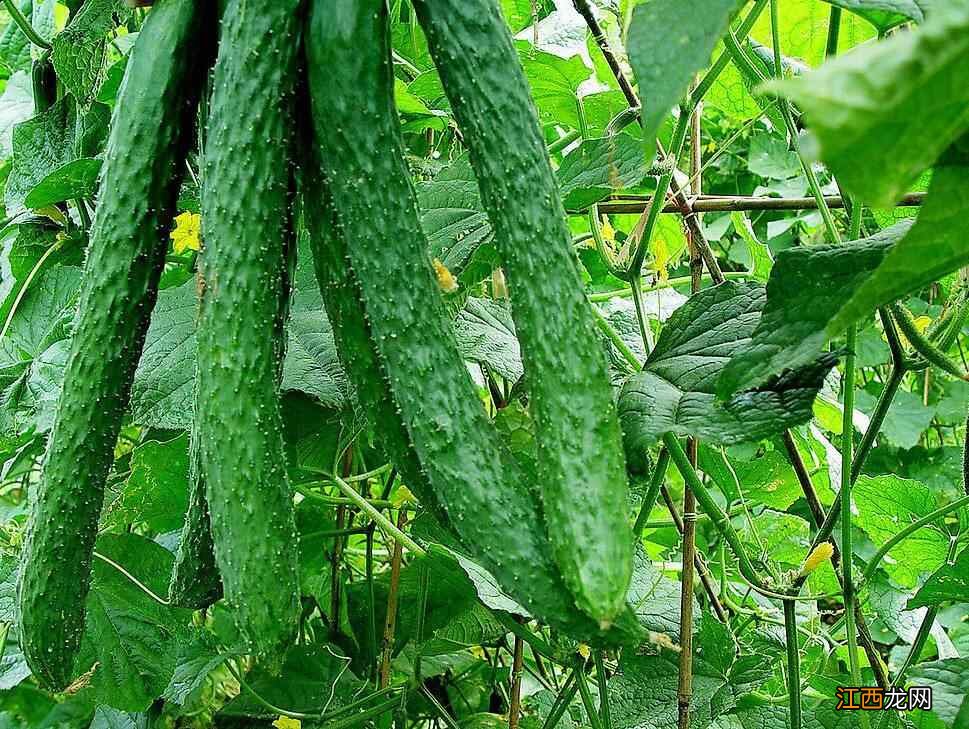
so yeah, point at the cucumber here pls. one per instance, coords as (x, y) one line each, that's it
(391, 310)
(351, 331)
(151, 132)
(245, 204)
(581, 466)
(195, 581)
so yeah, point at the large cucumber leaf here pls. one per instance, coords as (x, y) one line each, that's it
(885, 112)
(937, 244)
(884, 14)
(806, 290)
(668, 42)
(676, 390)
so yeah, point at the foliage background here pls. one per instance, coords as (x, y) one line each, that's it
(157, 665)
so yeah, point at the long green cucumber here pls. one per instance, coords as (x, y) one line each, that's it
(582, 471)
(195, 581)
(151, 132)
(245, 204)
(399, 314)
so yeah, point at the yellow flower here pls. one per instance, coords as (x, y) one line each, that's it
(584, 650)
(403, 496)
(186, 235)
(285, 722)
(608, 232)
(445, 279)
(819, 555)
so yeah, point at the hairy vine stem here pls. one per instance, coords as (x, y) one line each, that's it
(25, 25)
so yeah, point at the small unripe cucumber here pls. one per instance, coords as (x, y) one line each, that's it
(151, 132)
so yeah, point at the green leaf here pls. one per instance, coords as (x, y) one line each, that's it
(14, 46)
(554, 83)
(668, 42)
(313, 679)
(937, 244)
(770, 157)
(79, 51)
(453, 217)
(485, 333)
(162, 394)
(907, 418)
(129, 636)
(885, 112)
(884, 14)
(75, 179)
(16, 106)
(950, 583)
(156, 492)
(643, 695)
(886, 505)
(806, 289)
(949, 681)
(107, 718)
(675, 391)
(197, 657)
(597, 167)
(49, 141)
(655, 598)
(311, 363)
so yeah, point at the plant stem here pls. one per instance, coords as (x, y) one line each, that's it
(562, 702)
(606, 327)
(634, 204)
(847, 445)
(590, 707)
(793, 664)
(25, 25)
(652, 492)
(390, 624)
(718, 517)
(605, 714)
(385, 523)
(514, 709)
(834, 32)
(698, 562)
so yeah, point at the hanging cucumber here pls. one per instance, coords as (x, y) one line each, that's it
(150, 136)
(245, 201)
(195, 581)
(382, 260)
(582, 471)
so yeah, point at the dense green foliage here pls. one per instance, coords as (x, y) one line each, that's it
(367, 369)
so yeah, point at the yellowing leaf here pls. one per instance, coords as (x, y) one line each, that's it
(285, 722)
(187, 233)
